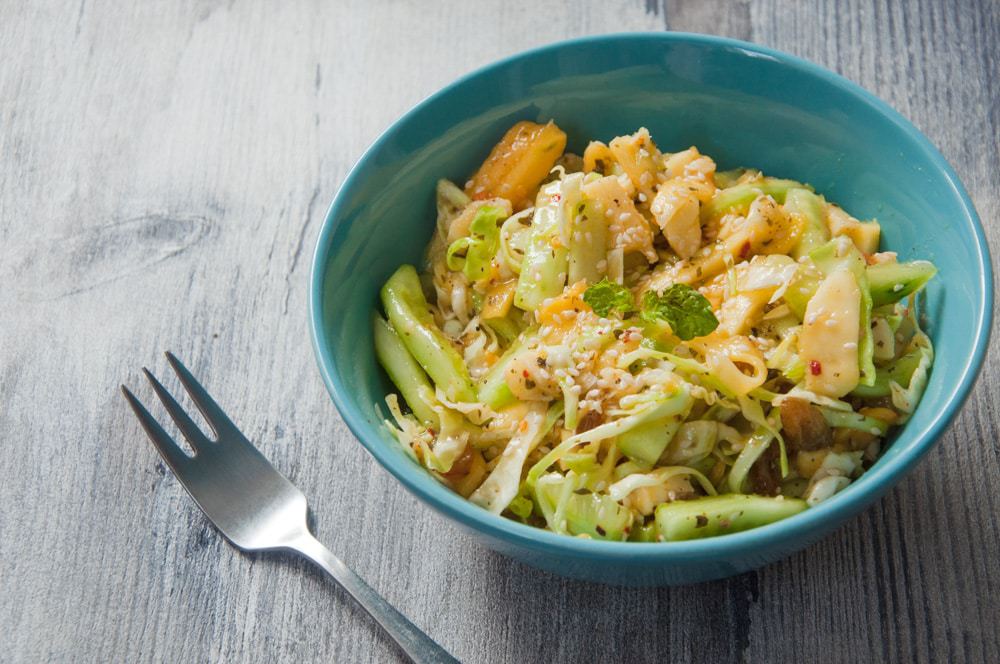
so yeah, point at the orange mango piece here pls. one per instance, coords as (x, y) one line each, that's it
(518, 164)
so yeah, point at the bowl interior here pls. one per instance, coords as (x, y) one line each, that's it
(742, 105)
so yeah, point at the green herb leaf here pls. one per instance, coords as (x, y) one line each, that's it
(606, 296)
(686, 311)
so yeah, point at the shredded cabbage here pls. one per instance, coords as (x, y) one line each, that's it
(597, 343)
(655, 406)
(906, 398)
(622, 488)
(501, 486)
(834, 475)
(755, 446)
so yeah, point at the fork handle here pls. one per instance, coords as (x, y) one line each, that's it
(415, 643)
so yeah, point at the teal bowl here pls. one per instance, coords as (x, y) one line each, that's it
(743, 105)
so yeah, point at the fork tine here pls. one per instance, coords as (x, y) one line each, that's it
(165, 445)
(214, 415)
(191, 431)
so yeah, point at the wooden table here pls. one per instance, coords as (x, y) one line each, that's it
(165, 168)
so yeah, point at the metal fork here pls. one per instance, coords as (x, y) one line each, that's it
(256, 507)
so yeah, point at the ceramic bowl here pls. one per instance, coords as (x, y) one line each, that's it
(739, 103)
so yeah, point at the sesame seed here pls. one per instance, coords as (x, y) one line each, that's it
(897, 288)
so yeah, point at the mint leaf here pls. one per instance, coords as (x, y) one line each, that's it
(606, 296)
(686, 311)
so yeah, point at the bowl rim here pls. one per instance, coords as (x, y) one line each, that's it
(838, 508)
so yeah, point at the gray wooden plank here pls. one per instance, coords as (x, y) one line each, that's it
(165, 171)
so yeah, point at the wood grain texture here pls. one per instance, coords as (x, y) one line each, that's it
(165, 169)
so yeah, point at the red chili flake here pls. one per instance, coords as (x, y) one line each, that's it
(525, 372)
(815, 368)
(431, 431)
(556, 198)
(745, 250)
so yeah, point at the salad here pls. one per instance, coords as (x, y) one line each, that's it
(633, 345)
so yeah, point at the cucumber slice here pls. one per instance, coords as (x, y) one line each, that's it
(646, 443)
(720, 515)
(891, 282)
